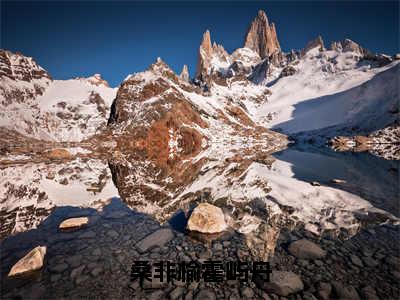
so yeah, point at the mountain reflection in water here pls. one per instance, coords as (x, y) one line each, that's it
(259, 194)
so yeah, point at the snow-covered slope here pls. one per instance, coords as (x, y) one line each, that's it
(30, 191)
(60, 110)
(331, 88)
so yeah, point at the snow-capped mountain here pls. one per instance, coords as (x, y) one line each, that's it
(54, 110)
(342, 89)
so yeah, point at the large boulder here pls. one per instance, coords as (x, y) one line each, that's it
(207, 218)
(305, 249)
(281, 283)
(30, 262)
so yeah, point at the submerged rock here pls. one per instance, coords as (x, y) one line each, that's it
(157, 238)
(30, 262)
(207, 218)
(74, 223)
(305, 249)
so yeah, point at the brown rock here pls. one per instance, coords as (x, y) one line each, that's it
(207, 218)
(261, 37)
(30, 262)
(58, 154)
(74, 223)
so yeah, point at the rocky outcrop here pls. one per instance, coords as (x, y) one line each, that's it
(207, 218)
(97, 80)
(317, 42)
(261, 36)
(288, 71)
(16, 66)
(347, 45)
(384, 142)
(30, 262)
(185, 74)
(213, 60)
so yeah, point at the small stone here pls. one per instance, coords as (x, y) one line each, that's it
(59, 268)
(157, 238)
(30, 262)
(87, 235)
(176, 293)
(309, 296)
(74, 261)
(226, 243)
(55, 277)
(306, 249)
(96, 271)
(113, 234)
(369, 293)
(247, 293)
(189, 295)
(81, 279)
(324, 290)
(319, 263)
(370, 262)
(356, 261)
(205, 294)
(218, 247)
(76, 272)
(73, 223)
(345, 292)
(96, 252)
(315, 183)
(281, 283)
(207, 218)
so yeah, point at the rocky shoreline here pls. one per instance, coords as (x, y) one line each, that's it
(95, 261)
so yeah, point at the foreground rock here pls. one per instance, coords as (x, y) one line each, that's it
(30, 262)
(74, 223)
(157, 238)
(207, 218)
(305, 249)
(282, 283)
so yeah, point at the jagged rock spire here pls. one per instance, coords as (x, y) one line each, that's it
(317, 42)
(205, 53)
(261, 37)
(185, 73)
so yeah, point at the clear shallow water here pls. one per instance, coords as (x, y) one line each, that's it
(94, 187)
(372, 178)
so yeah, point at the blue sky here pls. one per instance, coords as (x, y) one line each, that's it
(115, 39)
